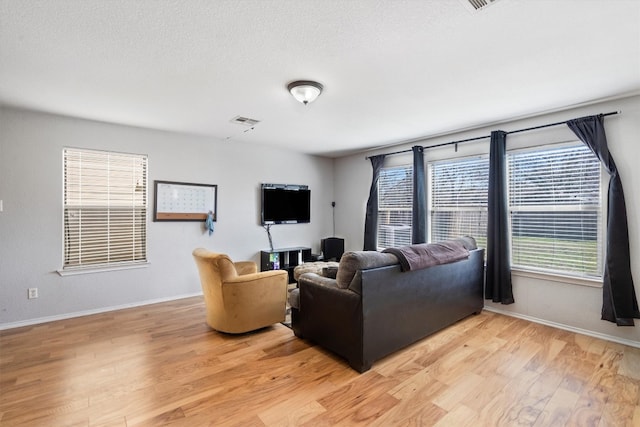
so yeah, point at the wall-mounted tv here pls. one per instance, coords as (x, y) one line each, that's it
(285, 204)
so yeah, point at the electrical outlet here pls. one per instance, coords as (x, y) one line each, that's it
(33, 293)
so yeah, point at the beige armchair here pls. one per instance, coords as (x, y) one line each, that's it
(237, 297)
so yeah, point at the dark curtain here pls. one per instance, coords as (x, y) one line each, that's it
(498, 277)
(419, 207)
(371, 218)
(619, 303)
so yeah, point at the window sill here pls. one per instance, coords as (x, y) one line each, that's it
(554, 277)
(101, 269)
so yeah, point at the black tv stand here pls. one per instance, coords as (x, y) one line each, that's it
(284, 259)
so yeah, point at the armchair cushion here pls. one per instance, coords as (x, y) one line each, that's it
(226, 267)
(246, 267)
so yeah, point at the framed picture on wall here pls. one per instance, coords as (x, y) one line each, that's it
(184, 201)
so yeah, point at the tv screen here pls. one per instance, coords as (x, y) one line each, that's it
(285, 204)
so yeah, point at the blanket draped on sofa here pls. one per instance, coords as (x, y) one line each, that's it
(424, 255)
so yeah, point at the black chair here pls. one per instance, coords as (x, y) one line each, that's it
(332, 248)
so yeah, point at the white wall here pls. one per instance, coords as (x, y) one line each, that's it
(31, 224)
(559, 303)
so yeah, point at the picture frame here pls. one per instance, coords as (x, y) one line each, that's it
(184, 201)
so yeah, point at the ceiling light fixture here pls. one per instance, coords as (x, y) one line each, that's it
(305, 91)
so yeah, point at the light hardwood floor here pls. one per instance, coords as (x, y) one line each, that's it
(161, 365)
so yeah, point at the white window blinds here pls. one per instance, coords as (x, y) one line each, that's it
(458, 199)
(105, 208)
(555, 204)
(395, 195)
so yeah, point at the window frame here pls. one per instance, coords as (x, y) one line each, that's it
(142, 209)
(552, 274)
(430, 207)
(408, 168)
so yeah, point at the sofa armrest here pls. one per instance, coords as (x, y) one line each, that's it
(330, 316)
(318, 280)
(324, 290)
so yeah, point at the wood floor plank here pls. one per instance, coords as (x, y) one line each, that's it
(479, 397)
(415, 405)
(558, 409)
(292, 412)
(617, 414)
(460, 416)
(456, 392)
(630, 363)
(589, 408)
(162, 365)
(357, 397)
(635, 421)
(492, 413)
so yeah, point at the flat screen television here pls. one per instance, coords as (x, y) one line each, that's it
(285, 204)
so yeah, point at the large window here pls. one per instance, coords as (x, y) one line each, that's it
(458, 199)
(105, 209)
(395, 195)
(555, 204)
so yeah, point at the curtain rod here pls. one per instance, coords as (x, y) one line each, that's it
(489, 136)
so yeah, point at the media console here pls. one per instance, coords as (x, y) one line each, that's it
(284, 259)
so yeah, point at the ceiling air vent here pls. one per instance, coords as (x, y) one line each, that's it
(477, 5)
(244, 121)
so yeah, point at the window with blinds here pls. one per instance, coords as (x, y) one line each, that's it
(395, 195)
(458, 199)
(556, 215)
(105, 209)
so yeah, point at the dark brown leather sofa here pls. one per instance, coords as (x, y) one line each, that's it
(384, 309)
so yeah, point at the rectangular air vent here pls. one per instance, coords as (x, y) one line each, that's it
(477, 5)
(244, 121)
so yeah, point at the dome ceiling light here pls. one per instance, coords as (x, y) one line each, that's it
(305, 91)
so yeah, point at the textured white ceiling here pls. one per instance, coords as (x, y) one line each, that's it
(393, 70)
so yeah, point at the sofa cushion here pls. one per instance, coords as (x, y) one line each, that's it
(353, 261)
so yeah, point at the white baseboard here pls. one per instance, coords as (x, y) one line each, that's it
(593, 334)
(46, 319)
